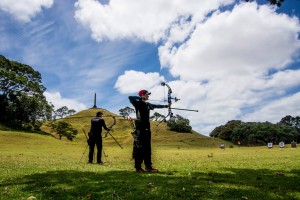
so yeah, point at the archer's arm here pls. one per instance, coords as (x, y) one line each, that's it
(152, 106)
(104, 125)
(134, 99)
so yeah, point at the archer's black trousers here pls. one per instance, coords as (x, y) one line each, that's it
(98, 142)
(143, 152)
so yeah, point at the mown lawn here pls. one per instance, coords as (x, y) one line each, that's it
(41, 167)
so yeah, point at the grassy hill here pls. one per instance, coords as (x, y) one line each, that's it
(161, 135)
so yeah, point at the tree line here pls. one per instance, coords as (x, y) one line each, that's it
(259, 133)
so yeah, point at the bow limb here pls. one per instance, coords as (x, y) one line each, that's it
(87, 137)
(85, 133)
(114, 123)
(170, 113)
(108, 132)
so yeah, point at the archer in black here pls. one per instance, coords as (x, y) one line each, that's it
(142, 146)
(95, 137)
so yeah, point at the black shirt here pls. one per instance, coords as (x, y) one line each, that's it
(96, 126)
(142, 110)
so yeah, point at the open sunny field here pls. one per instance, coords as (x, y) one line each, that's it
(40, 166)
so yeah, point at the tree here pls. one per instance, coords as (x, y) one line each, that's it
(16, 77)
(30, 110)
(180, 124)
(22, 102)
(61, 112)
(292, 121)
(71, 112)
(156, 116)
(125, 112)
(216, 132)
(241, 133)
(225, 131)
(64, 129)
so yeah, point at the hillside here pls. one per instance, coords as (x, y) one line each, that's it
(161, 135)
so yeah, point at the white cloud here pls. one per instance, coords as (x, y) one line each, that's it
(232, 52)
(277, 83)
(58, 101)
(276, 110)
(148, 20)
(248, 41)
(134, 81)
(24, 10)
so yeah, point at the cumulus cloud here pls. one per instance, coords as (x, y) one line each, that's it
(275, 111)
(145, 20)
(233, 52)
(133, 81)
(24, 10)
(248, 41)
(58, 101)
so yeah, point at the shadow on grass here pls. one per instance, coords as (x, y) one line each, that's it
(234, 184)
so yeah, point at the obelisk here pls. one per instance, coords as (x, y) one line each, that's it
(95, 106)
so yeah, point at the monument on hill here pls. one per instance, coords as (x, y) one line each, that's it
(95, 106)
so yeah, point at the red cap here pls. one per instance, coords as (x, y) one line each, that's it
(142, 92)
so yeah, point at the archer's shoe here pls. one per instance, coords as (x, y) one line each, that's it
(151, 169)
(90, 162)
(100, 163)
(140, 170)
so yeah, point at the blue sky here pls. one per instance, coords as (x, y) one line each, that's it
(228, 59)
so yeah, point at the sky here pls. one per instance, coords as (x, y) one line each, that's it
(228, 59)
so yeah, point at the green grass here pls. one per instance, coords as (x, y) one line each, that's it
(47, 168)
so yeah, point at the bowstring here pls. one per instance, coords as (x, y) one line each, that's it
(164, 88)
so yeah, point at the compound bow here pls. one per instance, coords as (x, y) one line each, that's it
(170, 113)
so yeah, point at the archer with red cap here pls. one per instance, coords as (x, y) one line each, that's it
(142, 134)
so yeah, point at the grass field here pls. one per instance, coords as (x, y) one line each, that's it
(35, 166)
